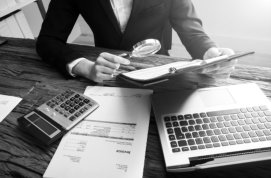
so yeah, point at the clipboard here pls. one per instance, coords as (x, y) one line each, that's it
(158, 74)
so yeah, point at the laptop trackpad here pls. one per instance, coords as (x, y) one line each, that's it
(216, 97)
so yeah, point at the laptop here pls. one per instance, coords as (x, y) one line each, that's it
(213, 127)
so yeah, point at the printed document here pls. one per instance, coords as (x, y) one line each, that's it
(111, 141)
(7, 104)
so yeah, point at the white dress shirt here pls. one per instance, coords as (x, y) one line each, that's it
(122, 10)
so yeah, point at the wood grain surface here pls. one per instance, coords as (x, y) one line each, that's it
(24, 74)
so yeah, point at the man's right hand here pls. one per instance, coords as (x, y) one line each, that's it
(104, 68)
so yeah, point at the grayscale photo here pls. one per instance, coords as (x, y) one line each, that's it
(135, 88)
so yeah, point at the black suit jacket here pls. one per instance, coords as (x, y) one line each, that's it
(148, 19)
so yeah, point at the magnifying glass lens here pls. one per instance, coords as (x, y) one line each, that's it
(146, 48)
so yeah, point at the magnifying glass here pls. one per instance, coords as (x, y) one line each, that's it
(144, 48)
(141, 49)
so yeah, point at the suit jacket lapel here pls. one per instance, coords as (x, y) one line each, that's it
(110, 13)
(137, 4)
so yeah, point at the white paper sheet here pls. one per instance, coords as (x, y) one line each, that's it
(7, 104)
(111, 142)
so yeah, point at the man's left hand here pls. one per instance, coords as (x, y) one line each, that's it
(222, 70)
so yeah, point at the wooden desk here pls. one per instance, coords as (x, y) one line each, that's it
(23, 74)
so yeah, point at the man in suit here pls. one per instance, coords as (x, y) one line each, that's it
(119, 24)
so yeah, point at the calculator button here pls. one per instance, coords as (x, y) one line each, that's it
(57, 102)
(77, 96)
(81, 98)
(82, 110)
(72, 104)
(72, 98)
(63, 105)
(68, 113)
(68, 102)
(67, 108)
(86, 100)
(72, 111)
(52, 105)
(72, 118)
(76, 107)
(81, 103)
(78, 114)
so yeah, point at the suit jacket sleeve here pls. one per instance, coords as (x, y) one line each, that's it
(58, 23)
(185, 22)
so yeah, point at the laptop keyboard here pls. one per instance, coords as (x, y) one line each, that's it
(198, 131)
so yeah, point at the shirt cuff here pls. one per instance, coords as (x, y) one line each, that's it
(71, 65)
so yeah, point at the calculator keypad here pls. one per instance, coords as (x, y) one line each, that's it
(68, 107)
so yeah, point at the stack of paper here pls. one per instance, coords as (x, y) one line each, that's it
(111, 142)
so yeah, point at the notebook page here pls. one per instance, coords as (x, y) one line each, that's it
(154, 72)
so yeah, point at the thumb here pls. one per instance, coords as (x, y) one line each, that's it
(211, 53)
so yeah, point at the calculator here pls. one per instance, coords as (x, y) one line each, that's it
(54, 118)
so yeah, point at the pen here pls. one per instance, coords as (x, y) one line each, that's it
(121, 69)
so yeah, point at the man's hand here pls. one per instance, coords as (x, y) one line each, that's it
(222, 70)
(104, 68)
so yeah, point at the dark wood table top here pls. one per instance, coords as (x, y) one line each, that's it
(24, 74)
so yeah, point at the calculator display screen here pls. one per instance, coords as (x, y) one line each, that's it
(42, 124)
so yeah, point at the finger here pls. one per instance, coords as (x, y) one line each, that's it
(211, 53)
(103, 62)
(220, 67)
(227, 64)
(226, 51)
(208, 69)
(104, 70)
(115, 59)
(101, 77)
(216, 70)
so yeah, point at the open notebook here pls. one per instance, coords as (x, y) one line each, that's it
(162, 73)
